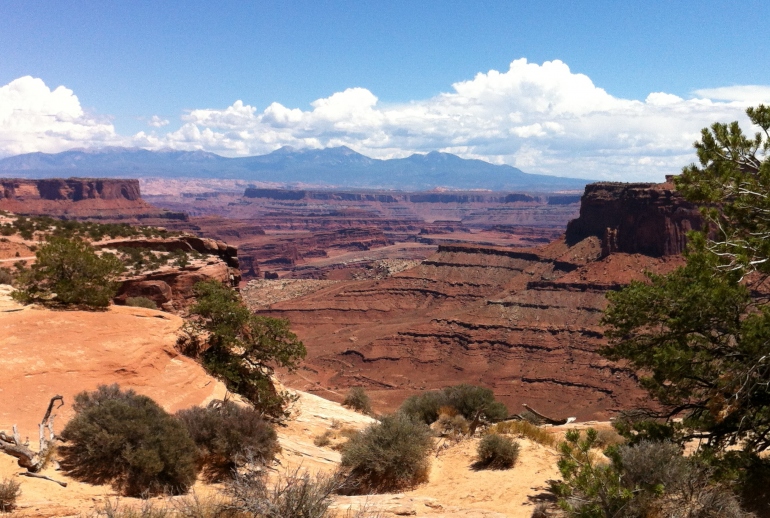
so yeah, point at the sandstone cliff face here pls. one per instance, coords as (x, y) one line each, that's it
(93, 198)
(72, 189)
(645, 218)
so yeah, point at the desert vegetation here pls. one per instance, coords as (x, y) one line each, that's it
(496, 451)
(389, 455)
(69, 272)
(358, 400)
(128, 440)
(700, 336)
(10, 491)
(227, 436)
(242, 348)
(43, 226)
(470, 401)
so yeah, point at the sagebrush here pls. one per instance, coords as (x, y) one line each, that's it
(128, 440)
(389, 455)
(226, 435)
(468, 400)
(496, 451)
(358, 400)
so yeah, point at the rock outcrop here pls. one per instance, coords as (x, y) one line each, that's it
(171, 287)
(645, 218)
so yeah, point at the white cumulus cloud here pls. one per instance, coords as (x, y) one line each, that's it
(35, 118)
(157, 122)
(543, 118)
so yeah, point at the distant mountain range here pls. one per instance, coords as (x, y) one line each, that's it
(337, 167)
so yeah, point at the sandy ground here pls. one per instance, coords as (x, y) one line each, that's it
(43, 353)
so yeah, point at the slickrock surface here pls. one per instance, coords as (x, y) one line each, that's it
(44, 353)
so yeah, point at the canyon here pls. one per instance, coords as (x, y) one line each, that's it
(403, 292)
(522, 321)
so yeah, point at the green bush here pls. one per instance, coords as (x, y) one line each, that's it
(70, 272)
(226, 435)
(10, 490)
(497, 452)
(389, 455)
(127, 439)
(468, 400)
(141, 302)
(358, 400)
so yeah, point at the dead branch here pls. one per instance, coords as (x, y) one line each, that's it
(12, 445)
(38, 475)
(549, 420)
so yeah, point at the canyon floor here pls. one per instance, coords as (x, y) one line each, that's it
(47, 352)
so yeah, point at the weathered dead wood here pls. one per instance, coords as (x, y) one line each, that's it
(38, 475)
(549, 420)
(12, 445)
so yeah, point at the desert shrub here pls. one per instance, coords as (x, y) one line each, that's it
(127, 439)
(296, 494)
(358, 400)
(424, 407)
(5, 276)
(10, 490)
(141, 302)
(70, 272)
(644, 479)
(389, 455)
(497, 452)
(226, 435)
(540, 511)
(525, 429)
(468, 400)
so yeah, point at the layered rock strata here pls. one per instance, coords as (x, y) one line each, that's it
(524, 322)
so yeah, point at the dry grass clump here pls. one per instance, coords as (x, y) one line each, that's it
(295, 494)
(608, 437)
(336, 437)
(526, 429)
(10, 490)
(454, 426)
(141, 302)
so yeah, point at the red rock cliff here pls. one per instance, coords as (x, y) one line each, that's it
(646, 218)
(79, 198)
(72, 189)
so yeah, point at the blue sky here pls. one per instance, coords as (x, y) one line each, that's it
(169, 74)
